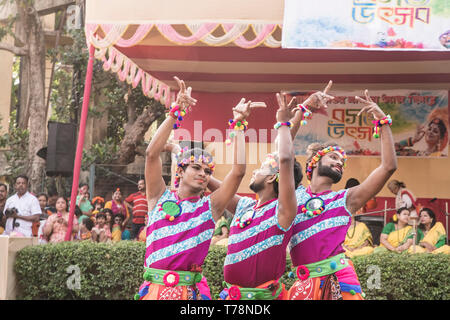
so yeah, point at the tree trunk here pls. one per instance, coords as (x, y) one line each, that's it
(134, 134)
(37, 108)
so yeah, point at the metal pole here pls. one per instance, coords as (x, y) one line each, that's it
(446, 219)
(92, 180)
(385, 210)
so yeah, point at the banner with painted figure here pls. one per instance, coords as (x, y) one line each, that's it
(367, 24)
(420, 123)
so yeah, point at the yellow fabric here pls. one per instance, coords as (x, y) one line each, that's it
(361, 234)
(435, 233)
(116, 234)
(432, 237)
(398, 237)
(444, 249)
(108, 205)
(359, 252)
(356, 236)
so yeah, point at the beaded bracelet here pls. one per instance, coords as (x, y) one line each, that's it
(279, 124)
(236, 125)
(306, 114)
(379, 123)
(177, 113)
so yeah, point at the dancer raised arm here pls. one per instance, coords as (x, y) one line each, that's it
(358, 196)
(303, 112)
(153, 165)
(324, 215)
(261, 229)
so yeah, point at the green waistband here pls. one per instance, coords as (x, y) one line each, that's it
(258, 293)
(185, 278)
(327, 266)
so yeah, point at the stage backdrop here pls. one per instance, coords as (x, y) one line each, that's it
(367, 24)
(420, 123)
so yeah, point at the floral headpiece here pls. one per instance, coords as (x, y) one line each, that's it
(320, 154)
(271, 160)
(183, 161)
(98, 199)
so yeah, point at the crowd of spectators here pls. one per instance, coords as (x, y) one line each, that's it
(46, 216)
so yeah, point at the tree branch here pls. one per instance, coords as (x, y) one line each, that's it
(13, 49)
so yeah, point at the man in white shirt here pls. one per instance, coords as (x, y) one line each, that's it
(28, 209)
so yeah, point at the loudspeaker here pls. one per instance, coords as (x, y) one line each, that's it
(61, 146)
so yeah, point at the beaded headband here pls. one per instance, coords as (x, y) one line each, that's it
(183, 161)
(320, 154)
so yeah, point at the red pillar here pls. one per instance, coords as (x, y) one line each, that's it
(80, 143)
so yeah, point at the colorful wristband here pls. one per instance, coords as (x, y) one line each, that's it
(236, 125)
(177, 113)
(279, 124)
(306, 114)
(379, 123)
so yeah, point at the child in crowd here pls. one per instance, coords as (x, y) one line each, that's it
(85, 229)
(116, 234)
(143, 231)
(98, 203)
(101, 232)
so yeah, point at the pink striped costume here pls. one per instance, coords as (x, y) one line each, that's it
(176, 249)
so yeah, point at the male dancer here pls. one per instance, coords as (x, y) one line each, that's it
(181, 223)
(260, 230)
(323, 216)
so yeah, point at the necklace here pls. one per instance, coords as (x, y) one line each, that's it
(353, 233)
(247, 217)
(315, 205)
(172, 209)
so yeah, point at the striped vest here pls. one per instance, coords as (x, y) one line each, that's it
(319, 237)
(182, 243)
(256, 253)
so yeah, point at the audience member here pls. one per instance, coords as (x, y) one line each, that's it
(85, 229)
(137, 202)
(397, 235)
(220, 236)
(143, 231)
(116, 232)
(21, 210)
(83, 200)
(42, 198)
(434, 234)
(404, 198)
(3, 196)
(98, 203)
(55, 228)
(101, 231)
(117, 205)
(358, 240)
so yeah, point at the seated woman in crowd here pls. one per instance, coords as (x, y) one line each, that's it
(397, 235)
(55, 228)
(358, 240)
(220, 236)
(434, 234)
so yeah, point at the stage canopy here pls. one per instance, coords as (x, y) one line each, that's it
(234, 46)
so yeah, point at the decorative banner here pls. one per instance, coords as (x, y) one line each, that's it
(367, 24)
(420, 123)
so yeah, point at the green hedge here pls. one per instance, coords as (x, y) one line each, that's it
(114, 271)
